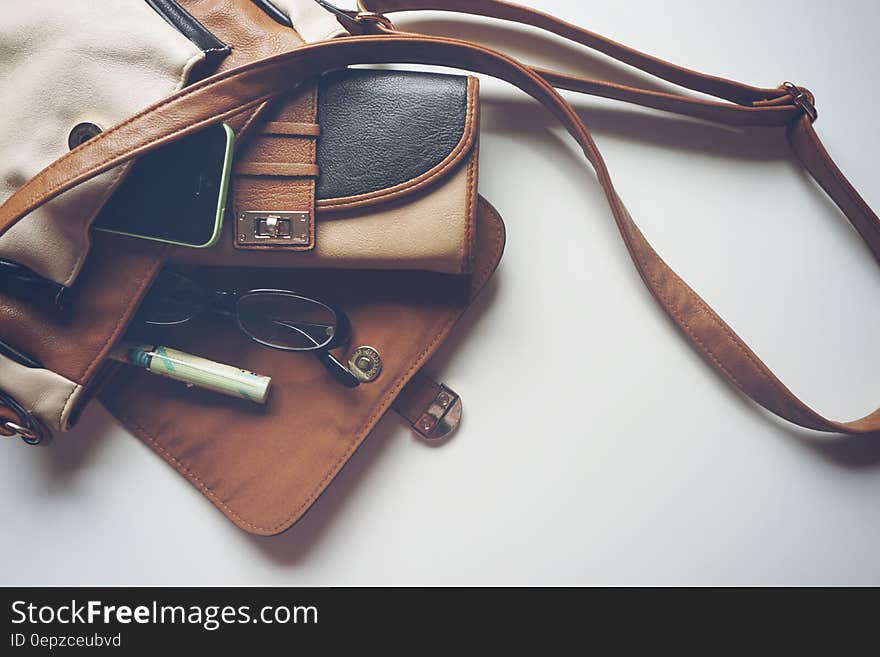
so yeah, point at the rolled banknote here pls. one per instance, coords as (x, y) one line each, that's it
(194, 371)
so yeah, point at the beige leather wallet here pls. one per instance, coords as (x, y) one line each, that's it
(362, 169)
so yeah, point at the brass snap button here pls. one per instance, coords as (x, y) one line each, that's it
(366, 364)
(81, 133)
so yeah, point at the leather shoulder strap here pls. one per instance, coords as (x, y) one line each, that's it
(216, 98)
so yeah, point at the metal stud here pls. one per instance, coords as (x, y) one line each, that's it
(366, 364)
(81, 133)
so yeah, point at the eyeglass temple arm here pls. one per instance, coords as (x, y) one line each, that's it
(336, 369)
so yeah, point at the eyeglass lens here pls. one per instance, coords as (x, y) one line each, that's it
(286, 321)
(173, 299)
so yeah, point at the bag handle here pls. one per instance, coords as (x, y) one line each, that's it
(214, 99)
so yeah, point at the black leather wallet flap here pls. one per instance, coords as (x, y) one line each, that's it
(386, 133)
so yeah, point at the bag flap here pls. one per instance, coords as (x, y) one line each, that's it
(264, 466)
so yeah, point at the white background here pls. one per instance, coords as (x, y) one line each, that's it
(598, 448)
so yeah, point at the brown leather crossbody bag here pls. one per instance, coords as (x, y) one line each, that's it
(267, 484)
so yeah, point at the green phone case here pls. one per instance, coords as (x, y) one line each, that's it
(221, 203)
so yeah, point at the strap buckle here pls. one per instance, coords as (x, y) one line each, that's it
(24, 425)
(29, 436)
(802, 99)
(358, 22)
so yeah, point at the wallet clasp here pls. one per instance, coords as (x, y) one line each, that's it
(273, 229)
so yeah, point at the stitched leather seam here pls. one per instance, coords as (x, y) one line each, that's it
(467, 247)
(422, 180)
(65, 406)
(178, 465)
(187, 69)
(360, 434)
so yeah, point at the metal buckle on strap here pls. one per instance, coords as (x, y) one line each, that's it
(28, 435)
(28, 428)
(358, 22)
(799, 97)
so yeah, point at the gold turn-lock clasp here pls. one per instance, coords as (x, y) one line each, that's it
(273, 229)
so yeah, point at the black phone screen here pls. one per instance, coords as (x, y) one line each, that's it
(175, 193)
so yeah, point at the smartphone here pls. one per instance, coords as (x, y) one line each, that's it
(175, 194)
